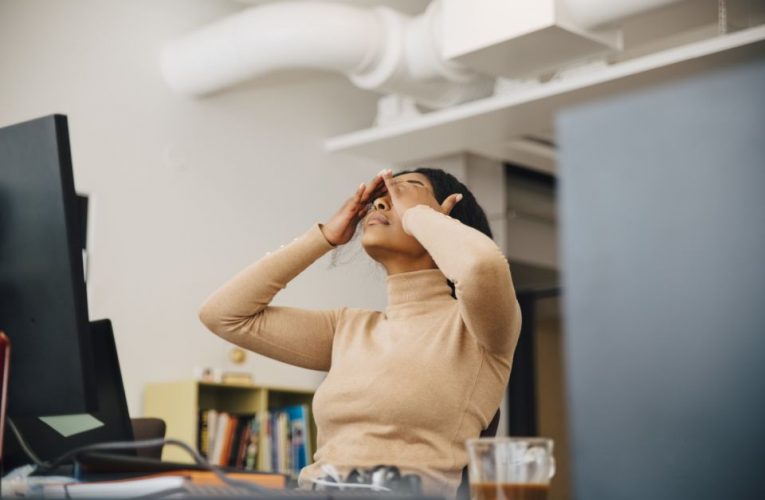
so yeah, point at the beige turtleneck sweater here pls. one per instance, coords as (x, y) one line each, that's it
(405, 386)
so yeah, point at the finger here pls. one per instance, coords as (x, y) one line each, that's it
(373, 187)
(449, 203)
(379, 192)
(387, 176)
(358, 196)
(378, 180)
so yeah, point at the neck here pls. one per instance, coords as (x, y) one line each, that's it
(416, 293)
(398, 264)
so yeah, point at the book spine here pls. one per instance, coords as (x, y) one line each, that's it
(266, 446)
(228, 439)
(274, 437)
(252, 447)
(212, 429)
(220, 437)
(244, 441)
(286, 450)
(306, 441)
(203, 434)
(236, 441)
(307, 435)
(299, 436)
(297, 442)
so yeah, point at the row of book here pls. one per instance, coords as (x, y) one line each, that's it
(272, 441)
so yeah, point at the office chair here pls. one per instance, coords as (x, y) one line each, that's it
(148, 428)
(463, 492)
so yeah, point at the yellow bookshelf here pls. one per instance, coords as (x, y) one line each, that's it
(179, 404)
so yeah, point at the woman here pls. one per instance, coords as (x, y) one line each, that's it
(406, 386)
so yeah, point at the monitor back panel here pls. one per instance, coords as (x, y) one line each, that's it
(43, 303)
(111, 422)
(662, 206)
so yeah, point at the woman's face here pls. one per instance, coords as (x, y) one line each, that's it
(383, 233)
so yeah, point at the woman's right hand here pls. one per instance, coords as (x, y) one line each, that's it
(340, 228)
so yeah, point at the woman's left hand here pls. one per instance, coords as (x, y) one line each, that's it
(405, 195)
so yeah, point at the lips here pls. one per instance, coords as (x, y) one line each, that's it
(375, 219)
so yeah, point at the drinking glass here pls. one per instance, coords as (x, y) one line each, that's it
(510, 468)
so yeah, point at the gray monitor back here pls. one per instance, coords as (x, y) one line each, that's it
(662, 205)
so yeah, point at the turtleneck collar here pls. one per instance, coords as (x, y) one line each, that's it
(416, 287)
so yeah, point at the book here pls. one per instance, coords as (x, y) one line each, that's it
(266, 446)
(152, 485)
(219, 439)
(300, 436)
(284, 448)
(251, 461)
(243, 440)
(239, 442)
(115, 489)
(203, 435)
(212, 428)
(228, 438)
(274, 440)
(230, 458)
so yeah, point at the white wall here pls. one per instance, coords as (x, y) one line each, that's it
(185, 193)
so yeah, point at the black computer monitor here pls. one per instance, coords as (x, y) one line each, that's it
(43, 305)
(48, 437)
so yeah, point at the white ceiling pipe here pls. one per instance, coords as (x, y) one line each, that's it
(595, 13)
(378, 49)
(266, 39)
(412, 64)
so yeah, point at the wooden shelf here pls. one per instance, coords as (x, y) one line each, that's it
(487, 125)
(179, 403)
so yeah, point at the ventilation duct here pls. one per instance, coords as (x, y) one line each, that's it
(440, 58)
(596, 13)
(379, 49)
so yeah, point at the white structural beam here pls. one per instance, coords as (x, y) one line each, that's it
(485, 125)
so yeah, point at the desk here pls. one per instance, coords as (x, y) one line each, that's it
(178, 486)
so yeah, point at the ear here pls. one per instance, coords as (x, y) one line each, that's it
(449, 202)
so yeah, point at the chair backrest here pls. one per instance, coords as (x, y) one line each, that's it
(463, 492)
(148, 428)
(491, 429)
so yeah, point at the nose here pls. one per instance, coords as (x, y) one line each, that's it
(381, 203)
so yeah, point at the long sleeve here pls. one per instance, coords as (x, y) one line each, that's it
(479, 271)
(240, 313)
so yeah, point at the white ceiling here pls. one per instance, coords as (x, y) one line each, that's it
(406, 6)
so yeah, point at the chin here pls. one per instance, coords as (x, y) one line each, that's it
(377, 245)
(371, 241)
(382, 245)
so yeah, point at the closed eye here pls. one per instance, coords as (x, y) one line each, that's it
(412, 181)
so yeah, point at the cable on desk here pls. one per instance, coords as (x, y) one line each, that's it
(129, 445)
(24, 445)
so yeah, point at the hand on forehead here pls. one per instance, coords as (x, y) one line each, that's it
(411, 189)
(414, 179)
(416, 182)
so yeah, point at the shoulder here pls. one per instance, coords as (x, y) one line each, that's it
(355, 318)
(353, 313)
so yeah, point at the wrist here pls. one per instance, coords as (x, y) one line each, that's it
(329, 239)
(408, 215)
